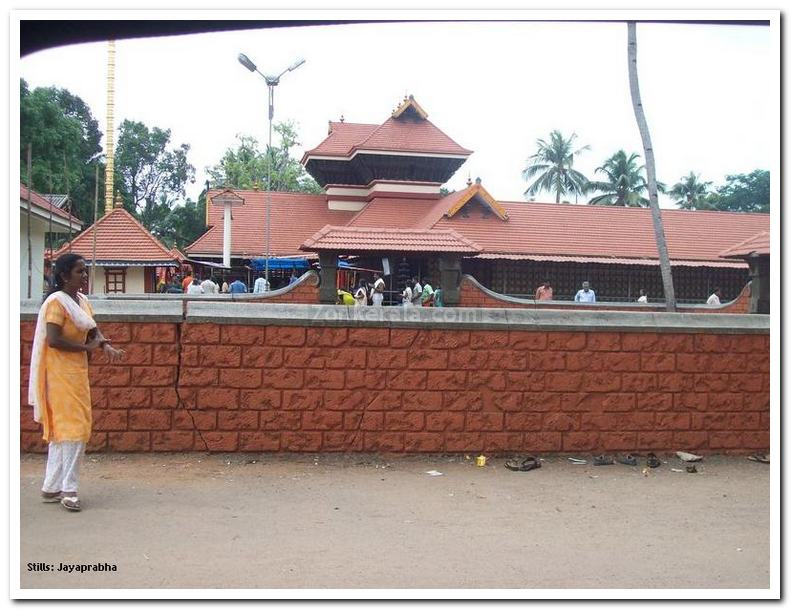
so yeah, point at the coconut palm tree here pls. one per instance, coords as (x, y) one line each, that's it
(552, 167)
(625, 185)
(650, 166)
(690, 193)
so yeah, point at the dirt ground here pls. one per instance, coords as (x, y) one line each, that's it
(371, 521)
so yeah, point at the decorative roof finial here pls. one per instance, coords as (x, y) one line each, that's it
(478, 180)
(469, 180)
(342, 119)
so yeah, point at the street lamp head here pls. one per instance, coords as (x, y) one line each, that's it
(296, 64)
(245, 61)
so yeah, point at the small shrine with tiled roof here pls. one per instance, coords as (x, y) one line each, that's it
(126, 255)
(383, 188)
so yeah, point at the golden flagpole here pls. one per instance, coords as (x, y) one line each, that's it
(110, 169)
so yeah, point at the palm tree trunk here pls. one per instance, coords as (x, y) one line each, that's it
(650, 168)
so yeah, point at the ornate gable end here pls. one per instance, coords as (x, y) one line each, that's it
(476, 194)
(410, 109)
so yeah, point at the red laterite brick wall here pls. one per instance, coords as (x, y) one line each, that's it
(253, 388)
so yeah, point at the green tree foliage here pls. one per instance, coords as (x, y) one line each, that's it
(744, 193)
(625, 185)
(552, 167)
(691, 194)
(247, 166)
(150, 177)
(65, 144)
(185, 223)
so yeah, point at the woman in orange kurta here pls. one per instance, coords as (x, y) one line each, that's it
(59, 390)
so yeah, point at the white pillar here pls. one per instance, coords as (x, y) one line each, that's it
(226, 237)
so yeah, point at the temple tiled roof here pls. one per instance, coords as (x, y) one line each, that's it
(342, 138)
(393, 213)
(363, 239)
(120, 238)
(576, 232)
(406, 131)
(293, 218)
(410, 135)
(756, 245)
(605, 231)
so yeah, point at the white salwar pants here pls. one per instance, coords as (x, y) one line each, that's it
(377, 299)
(63, 466)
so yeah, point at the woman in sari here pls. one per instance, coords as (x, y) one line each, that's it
(59, 390)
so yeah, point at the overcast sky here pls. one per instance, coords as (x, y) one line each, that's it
(709, 91)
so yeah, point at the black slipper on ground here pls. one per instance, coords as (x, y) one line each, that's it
(628, 460)
(692, 469)
(652, 461)
(525, 465)
(603, 460)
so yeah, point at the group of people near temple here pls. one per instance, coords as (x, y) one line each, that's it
(584, 295)
(587, 295)
(189, 284)
(413, 294)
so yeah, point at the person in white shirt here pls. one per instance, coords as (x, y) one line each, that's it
(209, 287)
(195, 287)
(714, 299)
(586, 295)
(643, 297)
(261, 285)
(417, 292)
(406, 296)
(378, 290)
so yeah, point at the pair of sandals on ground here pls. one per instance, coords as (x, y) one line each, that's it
(532, 462)
(67, 499)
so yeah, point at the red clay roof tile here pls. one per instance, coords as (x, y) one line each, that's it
(342, 138)
(119, 238)
(39, 201)
(293, 218)
(393, 213)
(535, 229)
(411, 135)
(394, 135)
(755, 245)
(363, 239)
(605, 231)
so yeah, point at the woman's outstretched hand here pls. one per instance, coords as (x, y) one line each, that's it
(113, 354)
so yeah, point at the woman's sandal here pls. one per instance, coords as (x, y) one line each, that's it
(525, 465)
(71, 503)
(51, 496)
(652, 461)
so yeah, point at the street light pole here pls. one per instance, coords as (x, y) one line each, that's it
(271, 82)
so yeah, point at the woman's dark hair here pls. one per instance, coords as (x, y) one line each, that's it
(63, 265)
